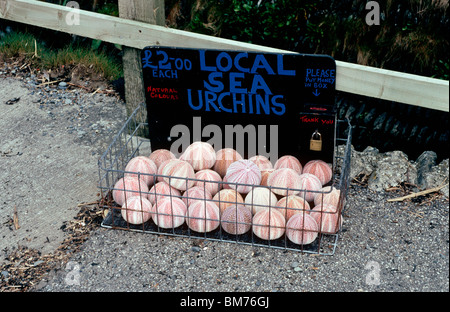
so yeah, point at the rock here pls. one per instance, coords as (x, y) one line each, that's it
(437, 176)
(62, 85)
(392, 169)
(370, 116)
(295, 264)
(424, 163)
(378, 123)
(364, 162)
(195, 249)
(81, 133)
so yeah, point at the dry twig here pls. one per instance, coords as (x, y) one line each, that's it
(16, 218)
(79, 86)
(49, 82)
(417, 194)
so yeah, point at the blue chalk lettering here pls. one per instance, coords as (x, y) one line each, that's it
(263, 103)
(200, 102)
(259, 83)
(214, 85)
(229, 61)
(281, 70)
(261, 62)
(279, 108)
(203, 66)
(250, 103)
(146, 60)
(235, 84)
(237, 102)
(236, 62)
(219, 101)
(210, 97)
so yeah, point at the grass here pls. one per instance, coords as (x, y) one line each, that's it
(71, 55)
(15, 44)
(26, 46)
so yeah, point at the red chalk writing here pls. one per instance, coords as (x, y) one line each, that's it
(163, 93)
(318, 120)
(309, 119)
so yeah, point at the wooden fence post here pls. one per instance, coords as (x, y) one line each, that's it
(148, 11)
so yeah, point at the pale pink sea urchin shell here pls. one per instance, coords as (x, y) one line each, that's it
(302, 229)
(208, 179)
(169, 213)
(127, 187)
(262, 162)
(142, 167)
(200, 155)
(289, 161)
(160, 155)
(236, 219)
(195, 193)
(268, 224)
(260, 198)
(224, 158)
(320, 169)
(136, 210)
(179, 174)
(162, 190)
(310, 185)
(292, 204)
(327, 217)
(203, 216)
(243, 172)
(283, 179)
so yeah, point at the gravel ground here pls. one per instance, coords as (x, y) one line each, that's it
(383, 247)
(51, 138)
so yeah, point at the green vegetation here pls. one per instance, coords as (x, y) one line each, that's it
(412, 36)
(71, 55)
(282, 23)
(442, 70)
(31, 50)
(15, 44)
(277, 23)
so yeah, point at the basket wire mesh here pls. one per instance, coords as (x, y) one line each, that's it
(127, 145)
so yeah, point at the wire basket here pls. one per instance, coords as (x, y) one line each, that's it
(127, 144)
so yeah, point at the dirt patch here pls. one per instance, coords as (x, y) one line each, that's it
(25, 267)
(51, 139)
(81, 76)
(55, 126)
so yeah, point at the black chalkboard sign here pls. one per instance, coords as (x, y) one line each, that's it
(258, 103)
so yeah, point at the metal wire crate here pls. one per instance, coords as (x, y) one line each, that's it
(127, 145)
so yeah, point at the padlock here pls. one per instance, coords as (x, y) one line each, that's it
(316, 141)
